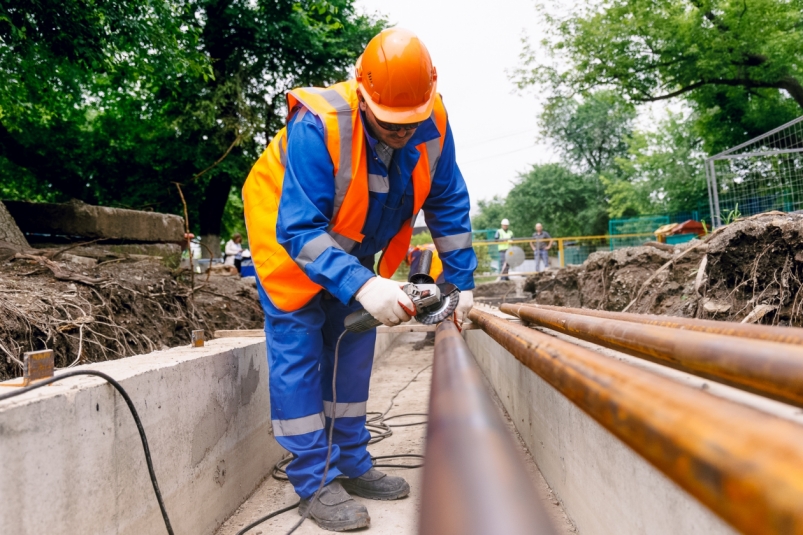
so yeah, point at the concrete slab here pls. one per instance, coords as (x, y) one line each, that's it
(393, 370)
(78, 219)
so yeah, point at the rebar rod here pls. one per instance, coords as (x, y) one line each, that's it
(743, 464)
(475, 481)
(769, 369)
(767, 333)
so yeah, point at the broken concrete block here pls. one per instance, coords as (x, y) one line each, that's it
(76, 219)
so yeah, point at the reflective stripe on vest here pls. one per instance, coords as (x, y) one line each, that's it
(282, 277)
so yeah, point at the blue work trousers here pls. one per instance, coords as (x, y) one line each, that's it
(301, 349)
(541, 259)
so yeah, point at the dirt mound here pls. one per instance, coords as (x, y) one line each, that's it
(118, 308)
(756, 264)
(493, 289)
(752, 267)
(607, 280)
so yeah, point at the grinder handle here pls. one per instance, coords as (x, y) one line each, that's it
(360, 322)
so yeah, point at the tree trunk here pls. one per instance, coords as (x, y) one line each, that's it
(216, 195)
(212, 243)
(9, 231)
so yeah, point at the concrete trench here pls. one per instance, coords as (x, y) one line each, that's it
(71, 461)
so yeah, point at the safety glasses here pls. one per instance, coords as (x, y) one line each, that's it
(393, 127)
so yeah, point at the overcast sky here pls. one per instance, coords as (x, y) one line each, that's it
(472, 46)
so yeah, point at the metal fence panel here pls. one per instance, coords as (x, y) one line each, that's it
(763, 174)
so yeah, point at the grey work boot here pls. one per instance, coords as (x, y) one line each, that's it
(375, 485)
(335, 510)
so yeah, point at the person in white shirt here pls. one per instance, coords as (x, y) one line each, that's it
(233, 253)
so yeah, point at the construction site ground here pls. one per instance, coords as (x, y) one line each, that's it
(92, 305)
(750, 270)
(392, 373)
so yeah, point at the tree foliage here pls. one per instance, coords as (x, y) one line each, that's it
(734, 60)
(590, 133)
(490, 215)
(563, 201)
(663, 172)
(113, 101)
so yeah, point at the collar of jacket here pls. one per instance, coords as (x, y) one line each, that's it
(426, 132)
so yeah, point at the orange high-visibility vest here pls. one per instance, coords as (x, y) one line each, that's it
(282, 277)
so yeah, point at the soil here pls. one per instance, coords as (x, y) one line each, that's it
(750, 270)
(118, 307)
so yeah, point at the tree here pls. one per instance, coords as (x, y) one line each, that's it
(64, 61)
(156, 92)
(711, 52)
(566, 203)
(551, 194)
(590, 133)
(491, 212)
(664, 171)
(9, 231)
(259, 51)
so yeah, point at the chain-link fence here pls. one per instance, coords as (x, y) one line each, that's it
(765, 173)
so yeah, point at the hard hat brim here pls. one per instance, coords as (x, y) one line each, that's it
(401, 115)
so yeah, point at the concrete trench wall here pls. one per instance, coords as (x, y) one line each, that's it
(71, 461)
(604, 486)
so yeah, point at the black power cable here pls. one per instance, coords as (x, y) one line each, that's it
(133, 410)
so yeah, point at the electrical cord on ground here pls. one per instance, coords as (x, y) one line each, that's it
(329, 438)
(376, 425)
(133, 410)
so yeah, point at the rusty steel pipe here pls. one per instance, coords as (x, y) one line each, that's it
(766, 333)
(743, 464)
(769, 369)
(475, 481)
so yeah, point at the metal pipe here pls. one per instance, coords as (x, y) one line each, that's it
(767, 333)
(743, 464)
(766, 368)
(475, 481)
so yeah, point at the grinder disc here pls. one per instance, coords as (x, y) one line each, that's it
(450, 297)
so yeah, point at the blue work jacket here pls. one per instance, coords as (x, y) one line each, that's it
(307, 203)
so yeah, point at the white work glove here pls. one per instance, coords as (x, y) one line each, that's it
(464, 305)
(383, 299)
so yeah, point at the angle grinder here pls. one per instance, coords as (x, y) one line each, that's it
(433, 302)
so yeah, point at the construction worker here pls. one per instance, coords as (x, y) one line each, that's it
(343, 181)
(503, 235)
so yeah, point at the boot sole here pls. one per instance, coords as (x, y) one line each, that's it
(363, 521)
(381, 497)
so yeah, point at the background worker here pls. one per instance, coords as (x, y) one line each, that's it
(344, 180)
(233, 251)
(541, 247)
(504, 235)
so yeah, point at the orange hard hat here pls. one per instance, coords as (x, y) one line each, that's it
(396, 77)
